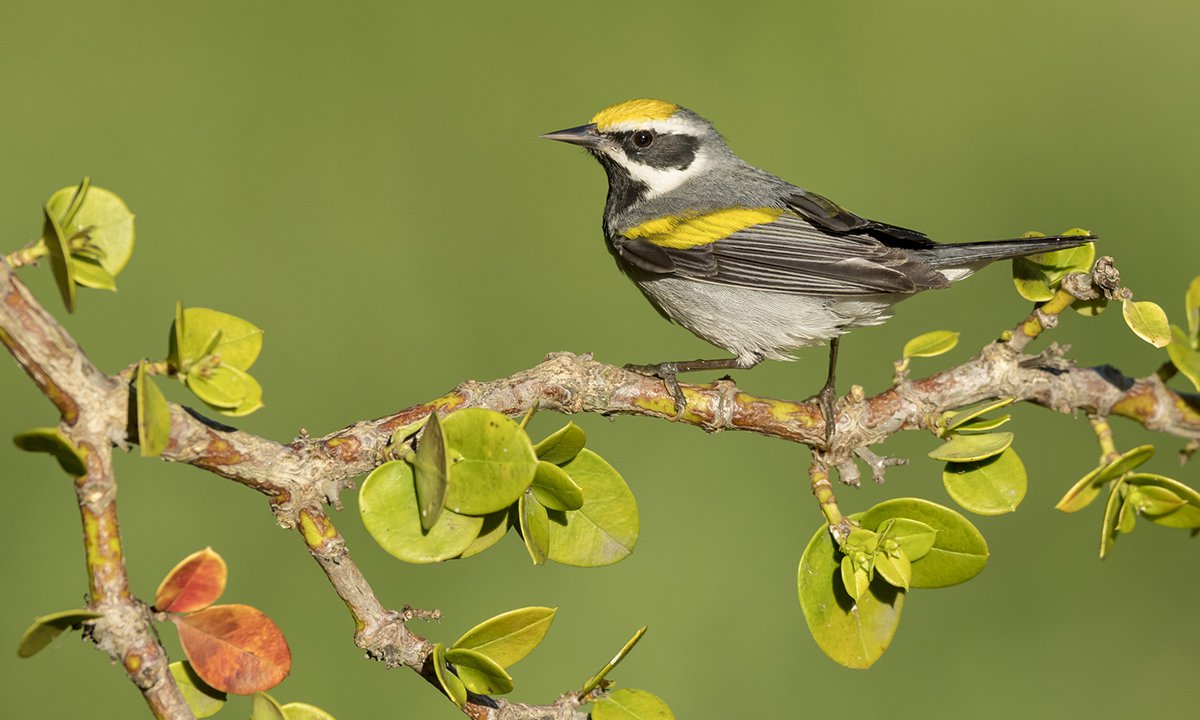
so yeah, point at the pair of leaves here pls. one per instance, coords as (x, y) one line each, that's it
(211, 352)
(1159, 499)
(233, 648)
(1037, 277)
(480, 657)
(983, 473)
(476, 473)
(888, 552)
(265, 707)
(1088, 488)
(855, 633)
(88, 233)
(1184, 349)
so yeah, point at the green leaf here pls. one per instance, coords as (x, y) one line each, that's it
(594, 681)
(916, 539)
(202, 699)
(555, 489)
(61, 267)
(959, 551)
(1186, 516)
(1031, 281)
(1110, 526)
(497, 461)
(956, 419)
(1127, 461)
(265, 707)
(894, 567)
(91, 274)
(1192, 303)
(855, 577)
(226, 389)
(153, 415)
(1148, 321)
(853, 633)
(479, 673)
(239, 345)
(604, 530)
(1185, 359)
(1152, 500)
(535, 528)
(562, 446)
(71, 459)
(930, 344)
(101, 223)
(388, 505)
(1036, 276)
(989, 487)
(982, 425)
(495, 526)
(304, 711)
(510, 636)
(451, 685)
(972, 448)
(431, 467)
(1088, 488)
(47, 627)
(630, 704)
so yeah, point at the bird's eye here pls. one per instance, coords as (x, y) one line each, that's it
(643, 138)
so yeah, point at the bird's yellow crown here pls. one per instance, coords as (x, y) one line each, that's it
(633, 111)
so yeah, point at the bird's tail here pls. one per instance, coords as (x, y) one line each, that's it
(977, 254)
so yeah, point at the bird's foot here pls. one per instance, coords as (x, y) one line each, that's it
(665, 372)
(826, 398)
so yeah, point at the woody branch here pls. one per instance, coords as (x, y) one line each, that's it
(301, 477)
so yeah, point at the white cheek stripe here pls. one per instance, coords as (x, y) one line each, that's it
(659, 180)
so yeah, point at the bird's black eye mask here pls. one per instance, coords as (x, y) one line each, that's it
(658, 150)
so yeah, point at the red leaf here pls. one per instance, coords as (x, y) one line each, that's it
(195, 583)
(235, 648)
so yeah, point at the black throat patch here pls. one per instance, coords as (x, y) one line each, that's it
(623, 190)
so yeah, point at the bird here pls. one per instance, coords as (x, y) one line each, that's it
(747, 261)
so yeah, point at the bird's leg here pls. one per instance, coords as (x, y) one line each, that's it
(668, 370)
(828, 393)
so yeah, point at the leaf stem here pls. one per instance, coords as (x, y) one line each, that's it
(28, 255)
(818, 475)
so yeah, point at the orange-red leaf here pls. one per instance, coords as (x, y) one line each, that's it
(235, 648)
(195, 583)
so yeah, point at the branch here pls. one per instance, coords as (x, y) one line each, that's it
(299, 478)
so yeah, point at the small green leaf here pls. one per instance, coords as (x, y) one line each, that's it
(1185, 359)
(956, 419)
(265, 707)
(1192, 303)
(982, 425)
(1148, 321)
(853, 633)
(604, 530)
(535, 528)
(153, 415)
(855, 579)
(1036, 276)
(594, 681)
(202, 699)
(1153, 500)
(930, 344)
(304, 711)
(495, 526)
(562, 446)
(47, 627)
(60, 264)
(71, 459)
(91, 274)
(431, 467)
(555, 489)
(894, 567)
(1031, 281)
(959, 551)
(988, 487)
(497, 463)
(915, 538)
(1110, 526)
(239, 345)
(225, 388)
(510, 636)
(451, 685)
(479, 673)
(1083, 493)
(99, 225)
(388, 505)
(630, 704)
(1186, 516)
(972, 448)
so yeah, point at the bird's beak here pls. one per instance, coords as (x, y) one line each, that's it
(584, 135)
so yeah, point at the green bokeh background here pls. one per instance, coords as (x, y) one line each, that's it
(366, 182)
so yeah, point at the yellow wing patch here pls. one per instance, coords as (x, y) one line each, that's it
(633, 111)
(681, 232)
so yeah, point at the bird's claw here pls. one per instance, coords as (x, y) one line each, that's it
(665, 372)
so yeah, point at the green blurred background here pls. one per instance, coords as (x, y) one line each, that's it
(366, 182)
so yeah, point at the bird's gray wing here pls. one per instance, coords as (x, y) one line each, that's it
(792, 255)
